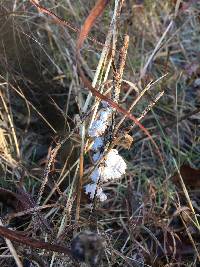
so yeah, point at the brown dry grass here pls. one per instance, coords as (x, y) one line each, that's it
(148, 219)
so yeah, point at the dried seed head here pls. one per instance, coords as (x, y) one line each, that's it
(125, 141)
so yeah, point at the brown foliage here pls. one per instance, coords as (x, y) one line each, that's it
(191, 177)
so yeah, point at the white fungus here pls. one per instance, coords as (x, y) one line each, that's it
(102, 197)
(115, 161)
(110, 173)
(98, 143)
(105, 114)
(90, 189)
(97, 128)
(96, 156)
(96, 174)
(113, 168)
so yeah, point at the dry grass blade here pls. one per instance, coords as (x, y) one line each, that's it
(51, 158)
(12, 250)
(81, 172)
(120, 69)
(148, 87)
(186, 194)
(11, 125)
(156, 49)
(94, 14)
(150, 105)
(191, 239)
(105, 62)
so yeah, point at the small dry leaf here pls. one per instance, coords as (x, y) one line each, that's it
(125, 141)
(90, 20)
(191, 177)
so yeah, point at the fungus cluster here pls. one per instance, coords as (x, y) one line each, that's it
(113, 166)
